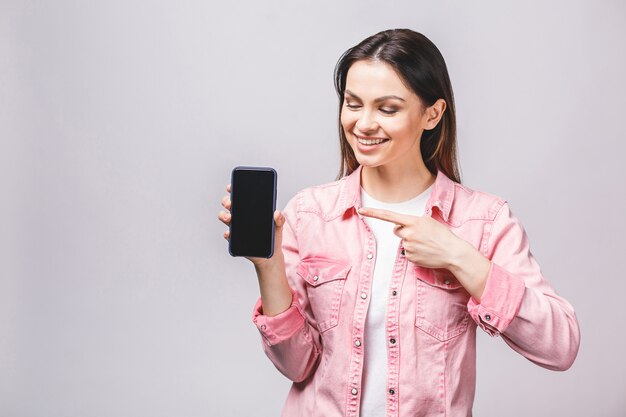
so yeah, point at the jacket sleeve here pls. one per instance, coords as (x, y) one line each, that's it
(289, 340)
(519, 303)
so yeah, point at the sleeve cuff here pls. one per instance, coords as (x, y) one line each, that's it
(281, 327)
(500, 301)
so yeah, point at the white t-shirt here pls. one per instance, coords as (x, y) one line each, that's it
(374, 398)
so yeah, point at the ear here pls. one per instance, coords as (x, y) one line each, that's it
(434, 114)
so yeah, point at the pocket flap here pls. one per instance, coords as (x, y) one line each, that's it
(317, 271)
(438, 277)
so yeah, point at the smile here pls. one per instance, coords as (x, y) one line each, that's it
(370, 142)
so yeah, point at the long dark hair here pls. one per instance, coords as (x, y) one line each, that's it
(422, 67)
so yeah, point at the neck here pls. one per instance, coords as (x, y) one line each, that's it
(396, 184)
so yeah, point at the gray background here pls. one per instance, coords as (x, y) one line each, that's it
(120, 122)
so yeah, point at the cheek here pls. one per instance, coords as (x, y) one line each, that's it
(347, 120)
(400, 128)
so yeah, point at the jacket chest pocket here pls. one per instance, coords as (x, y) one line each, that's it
(441, 304)
(325, 280)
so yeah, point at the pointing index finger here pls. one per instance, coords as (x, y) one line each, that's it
(386, 215)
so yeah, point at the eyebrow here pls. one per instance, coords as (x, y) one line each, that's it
(383, 98)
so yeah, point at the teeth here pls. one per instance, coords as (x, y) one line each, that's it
(370, 141)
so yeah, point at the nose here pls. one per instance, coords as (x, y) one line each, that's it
(367, 122)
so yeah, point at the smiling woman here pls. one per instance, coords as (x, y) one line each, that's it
(383, 130)
(372, 305)
(419, 73)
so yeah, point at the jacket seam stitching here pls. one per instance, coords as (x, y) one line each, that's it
(326, 218)
(297, 231)
(486, 239)
(490, 234)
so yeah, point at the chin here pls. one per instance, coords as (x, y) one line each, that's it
(368, 162)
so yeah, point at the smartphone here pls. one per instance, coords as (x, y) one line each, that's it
(253, 202)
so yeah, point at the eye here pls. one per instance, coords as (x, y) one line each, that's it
(388, 110)
(352, 106)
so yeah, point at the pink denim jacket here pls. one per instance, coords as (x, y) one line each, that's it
(319, 342)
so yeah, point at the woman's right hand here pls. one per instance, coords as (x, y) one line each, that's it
(279, 221)
(275, 291)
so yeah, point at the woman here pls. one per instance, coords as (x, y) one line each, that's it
(371, 307)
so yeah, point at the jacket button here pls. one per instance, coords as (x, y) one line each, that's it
(393, 341)
(391, 391)
(357, 343)
(363, 295)
(394, 292)
(315, 278)
(487, 317)
(370, 256)
(354, 391)
(447, 282)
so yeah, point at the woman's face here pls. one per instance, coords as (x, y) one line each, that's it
(382, 119)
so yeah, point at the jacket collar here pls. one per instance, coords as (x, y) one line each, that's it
(441, 196)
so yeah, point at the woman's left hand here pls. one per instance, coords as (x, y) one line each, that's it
(426, 242)
(430, 244)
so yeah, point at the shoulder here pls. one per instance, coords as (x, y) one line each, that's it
(326, 200)
(472, 204)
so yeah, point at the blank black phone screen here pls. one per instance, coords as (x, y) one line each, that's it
(253, 201)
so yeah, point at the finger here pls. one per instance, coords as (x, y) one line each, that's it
(279, 218)
(227, 234)
(226, 202)
(225, 217)
(228, 188)
(386, 215)
(399, 231)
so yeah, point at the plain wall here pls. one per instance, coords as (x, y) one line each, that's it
(120, 122)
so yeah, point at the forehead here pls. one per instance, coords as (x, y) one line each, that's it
(371, 79)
